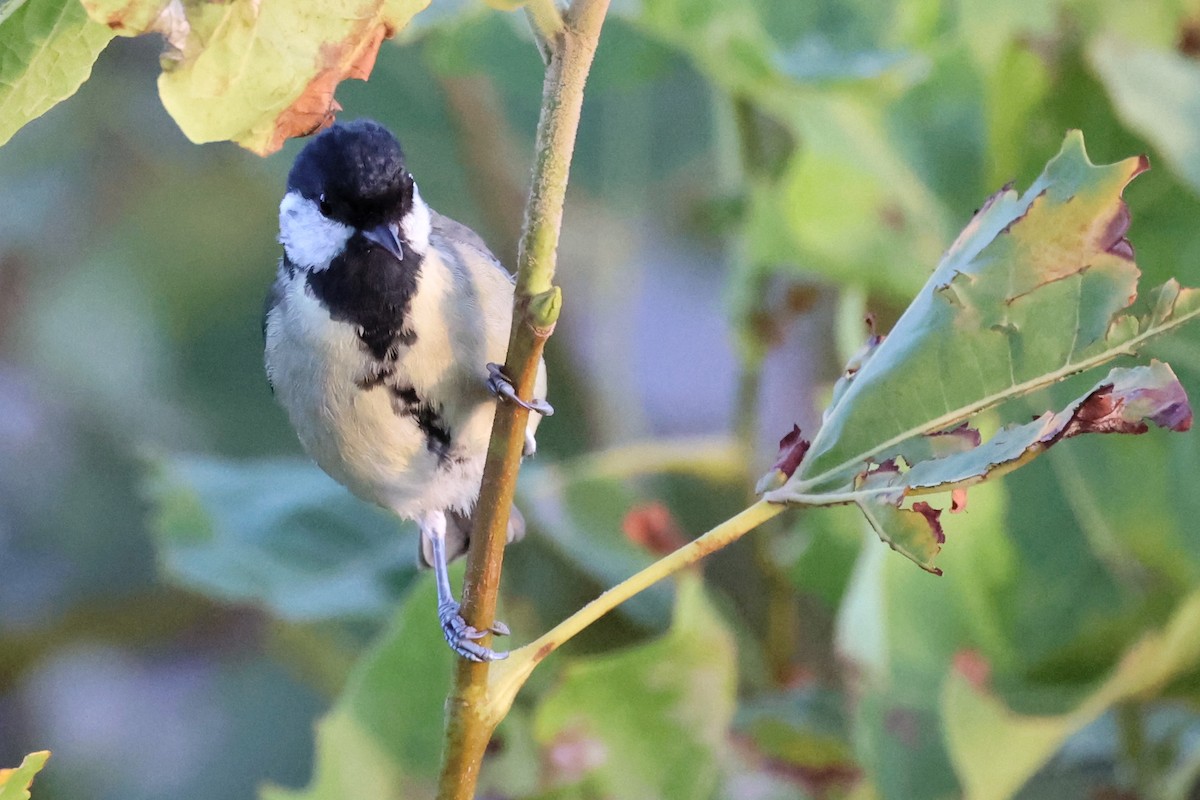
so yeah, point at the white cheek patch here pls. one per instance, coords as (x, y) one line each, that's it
(309, 238)
(416, 224)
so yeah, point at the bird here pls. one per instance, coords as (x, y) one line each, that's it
(384, 330)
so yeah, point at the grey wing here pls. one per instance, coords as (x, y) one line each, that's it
(274, 297)
(455, 236)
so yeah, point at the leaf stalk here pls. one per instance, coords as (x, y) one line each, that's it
(508, 676)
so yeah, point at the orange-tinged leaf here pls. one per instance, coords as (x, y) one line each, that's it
(259, 72)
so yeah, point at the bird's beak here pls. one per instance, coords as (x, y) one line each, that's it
(385, 237)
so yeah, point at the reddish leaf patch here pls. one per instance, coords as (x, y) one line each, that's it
(652, 527)
(931, 516)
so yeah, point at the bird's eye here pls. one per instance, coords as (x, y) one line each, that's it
(324, 205)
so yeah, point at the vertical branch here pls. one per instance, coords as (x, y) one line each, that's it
(570, 47)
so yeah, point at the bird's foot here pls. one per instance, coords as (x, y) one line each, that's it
(499, 385)
(462, 637)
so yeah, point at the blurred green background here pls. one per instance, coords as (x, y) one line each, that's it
(182, 595)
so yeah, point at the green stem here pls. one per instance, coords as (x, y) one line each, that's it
(570, 47)
(510, 675)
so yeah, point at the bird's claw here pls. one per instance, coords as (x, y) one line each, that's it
(499, 385)
(462, 637)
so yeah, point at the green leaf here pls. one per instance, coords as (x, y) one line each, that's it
(978, 725)
(349, 763)
(846, 163)
(849, 202)
(805, 730)
(1124, 402)
(1157, 94)
(900, 656)
(399, 690)
(279, 534)
(8, 7)
(578, 515)
(47, 48)
(15, 783)
(651, 721)
(382, 740)
(1032, 291)
(1036, 288)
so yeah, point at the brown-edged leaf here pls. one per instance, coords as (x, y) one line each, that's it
(792, 448)
(1124, 402)
(258, 73)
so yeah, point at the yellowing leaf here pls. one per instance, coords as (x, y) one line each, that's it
(261, 72)
(15, 783)
(132, 17)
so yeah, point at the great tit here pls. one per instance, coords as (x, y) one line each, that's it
(383, 329)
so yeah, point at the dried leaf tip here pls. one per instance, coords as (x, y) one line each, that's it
(792, 448)
(931, 516)
(1131, 397)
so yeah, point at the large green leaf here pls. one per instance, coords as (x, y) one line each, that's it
(1124, 402)
(1040, 609)
(978, 725)
(651, 721)
(1036, 288)
(47, 48)
(349, 763)
(15, 783)
(382, 740)
(278, 534)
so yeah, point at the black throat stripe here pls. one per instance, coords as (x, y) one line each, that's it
(367, 287)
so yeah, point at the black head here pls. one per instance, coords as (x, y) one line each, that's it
(356, 173)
